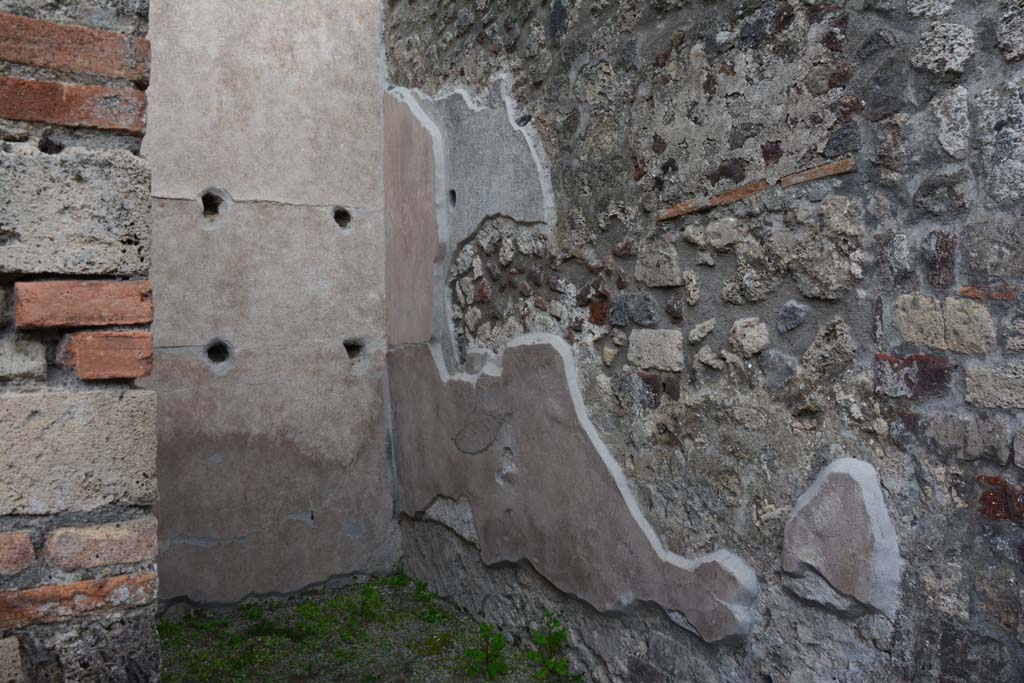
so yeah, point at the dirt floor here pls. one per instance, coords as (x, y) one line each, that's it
(389, 630)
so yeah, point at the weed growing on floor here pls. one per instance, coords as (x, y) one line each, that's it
(487, 659)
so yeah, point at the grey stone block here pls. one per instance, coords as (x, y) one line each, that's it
(22, 359)
(66, 451)
(80, 212)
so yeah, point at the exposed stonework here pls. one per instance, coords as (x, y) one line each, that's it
(841, 530)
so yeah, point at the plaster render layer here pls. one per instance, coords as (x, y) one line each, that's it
(509, 440)
(76, 451)
(270, 101)
(266, 274)
(273, 474)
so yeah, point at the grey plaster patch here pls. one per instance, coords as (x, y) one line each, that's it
(840, 529)
(22, 359)
(457, 515)
(594, 543)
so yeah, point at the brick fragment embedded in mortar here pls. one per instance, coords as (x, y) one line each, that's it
(744, 191)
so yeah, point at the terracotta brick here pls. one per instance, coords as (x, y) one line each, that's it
(1001, 292)
(913, 376)
(16, 552)
(82, 303)
(75, 49)
(835, 168)
(48, 604)
(107, 544)
(110, 355)
(705, 203)
(88, 106)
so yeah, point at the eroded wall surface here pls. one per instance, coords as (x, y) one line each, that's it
(782, 250)
(78, 540)
(269, 359)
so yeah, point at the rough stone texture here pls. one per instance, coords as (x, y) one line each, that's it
(952, 111)
(319, 55)
(996, 387)
(944, 48)
(840, 529)
(595, 545)
(656, 349)
(658, 265)
(700, 332)
(410, 210)
(969, 327)
(107, 544)
(22, 359)
(48, 604)
(16, 552)
(644, 106)
(11, 670)
(749, 337)
(82, 303)
(228, 527)
(81, 212)
(1010, 32)
(792, 316)
(77, 451)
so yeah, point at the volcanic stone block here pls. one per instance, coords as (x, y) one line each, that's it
(840, 530)
(67, 451)
(80, 212)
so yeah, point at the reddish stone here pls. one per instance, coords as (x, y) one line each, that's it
(74, 49)
(673, 387)
(599, 311)
(1000, 292)
(639, 170)
(913, 376)
(540, 303)
(483, 292)
(48, 604)
(110, 355)
(1002, 500)
(771, 152)
(82, 303)
(121, 110)
(16, 552)
(733, 169)
(653, 382)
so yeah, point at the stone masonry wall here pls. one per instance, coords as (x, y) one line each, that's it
(78, 579)
(785, 254)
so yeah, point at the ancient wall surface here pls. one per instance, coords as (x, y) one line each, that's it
(268, 271)
(781, 244)
(78, 541)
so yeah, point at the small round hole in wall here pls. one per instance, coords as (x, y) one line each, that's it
(342, 217)
(218, 352)
(212, 203)
(354, 348)
(452, 198)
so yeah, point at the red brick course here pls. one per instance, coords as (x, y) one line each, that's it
(16, 552)
(106, 544)
(82, 303)
(75, 49)
(88, 106)
(48, 604)
(110, 355)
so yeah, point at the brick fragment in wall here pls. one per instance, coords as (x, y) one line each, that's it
(82, 303)
(11, 668)
(107, 544)
(121, 110)
(913, 376)
(75, 451)
(47, 604)
(74, 49)
(110, 355)
(94, 204)
(16, 552)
